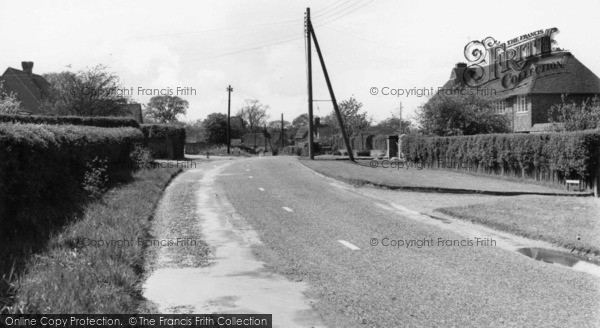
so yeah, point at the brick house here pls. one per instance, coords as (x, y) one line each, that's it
(31, 90)
(527, 94)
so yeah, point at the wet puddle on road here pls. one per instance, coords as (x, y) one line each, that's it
(236, 281)
(572, 261)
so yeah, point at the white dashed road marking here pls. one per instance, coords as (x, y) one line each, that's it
(250, 177)
(347, 244)
(287, 209)
(261, 189)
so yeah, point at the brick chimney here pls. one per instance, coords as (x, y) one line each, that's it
(27, 67)
(459, 75)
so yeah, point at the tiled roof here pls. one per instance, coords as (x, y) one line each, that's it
(31, 89)
(135, 111)
(302, 132)
(574, 78)
(254, 139)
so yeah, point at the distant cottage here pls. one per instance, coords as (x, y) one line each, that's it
(30, 89)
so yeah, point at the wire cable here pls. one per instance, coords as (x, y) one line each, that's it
(346, 14)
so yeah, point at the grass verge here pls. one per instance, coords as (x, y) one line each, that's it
(558, 220)
(412, 178)
(74, 276)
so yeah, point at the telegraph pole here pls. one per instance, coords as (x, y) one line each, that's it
(335, 104)
(282, 137)
(229, 89)
(400, 107)
(311, 154)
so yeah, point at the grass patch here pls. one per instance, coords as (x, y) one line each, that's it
(411, 177)
(558, 220)
(68, 277)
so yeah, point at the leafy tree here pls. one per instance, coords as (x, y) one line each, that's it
(254, 115)
(575, 117)
(354, 120)
(276, 125)
(453, 114)
(395, 123)
(214, 128)
(89, 92)
(301, 120)
(195, 131)
(8, 101)
(165, 109)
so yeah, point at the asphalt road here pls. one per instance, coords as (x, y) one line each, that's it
(318, 233)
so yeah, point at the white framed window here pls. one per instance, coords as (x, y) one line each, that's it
(500, 106)
(521, 103)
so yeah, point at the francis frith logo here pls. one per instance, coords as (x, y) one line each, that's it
(513, 61)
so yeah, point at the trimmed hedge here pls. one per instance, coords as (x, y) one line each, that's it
(43, 167)
(572, 154)
(103, 122)
(164, 140)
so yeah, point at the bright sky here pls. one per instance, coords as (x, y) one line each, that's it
(258, 47)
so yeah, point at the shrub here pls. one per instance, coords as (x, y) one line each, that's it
(103, 122)
(317, 149)
(291, 150)
(95, 180)
(571, 154)
(43, 167)
(141, 157)
(164, 140)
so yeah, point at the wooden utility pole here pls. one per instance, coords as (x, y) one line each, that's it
(229, 90)
(335, 104)
(311, 154)
(400, 129)
(282, 137)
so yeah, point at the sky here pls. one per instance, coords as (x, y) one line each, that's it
(258, 46)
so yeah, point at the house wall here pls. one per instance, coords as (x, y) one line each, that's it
(522, 120)
(539, 106)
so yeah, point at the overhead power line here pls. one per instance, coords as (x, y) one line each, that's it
(333, 3)
(221, 29)
(345, 14)
(245, 50)
(328, 12)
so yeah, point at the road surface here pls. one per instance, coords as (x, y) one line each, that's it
(343, 258)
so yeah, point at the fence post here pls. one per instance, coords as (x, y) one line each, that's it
(401, 154)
